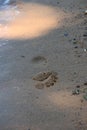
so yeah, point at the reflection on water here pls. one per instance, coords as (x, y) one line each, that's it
(28, 20)
(6, 2)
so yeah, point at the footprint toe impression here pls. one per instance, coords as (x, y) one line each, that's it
(42, 76)
(46, 79)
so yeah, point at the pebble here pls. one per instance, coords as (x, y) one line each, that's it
(85, 35)
(23, 56)
(66, 34)
(76, 47)
(78, 86)
(85, 50)
(76, 92)
(85, 83)
(85, 12)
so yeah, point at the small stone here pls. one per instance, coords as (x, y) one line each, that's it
(58, 2)
(78, 86)
(75, 73)
(74, 42)
(85, 83)
(79, 55)
(76, 92)
(85, 12)
(66, 34)
(85, 50)
(81, 100)
(74, 39)
(23, 56)
(37, 97)
(80, 108)
(85, 35)
(76, 47)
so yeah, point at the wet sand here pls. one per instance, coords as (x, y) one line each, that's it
(43, 65)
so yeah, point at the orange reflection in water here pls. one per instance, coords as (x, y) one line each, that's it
(33, 20)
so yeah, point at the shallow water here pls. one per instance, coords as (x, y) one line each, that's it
(27, 20)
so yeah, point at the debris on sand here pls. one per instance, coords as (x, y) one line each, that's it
(85, 83)
(74, 41)
(81, 90)
(66, 34)
(76, 92)
(85, 50)
(85, 34)
(78, 86)
(85, 12)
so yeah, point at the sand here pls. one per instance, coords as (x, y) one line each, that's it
(43, 43)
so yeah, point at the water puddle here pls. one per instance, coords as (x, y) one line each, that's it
(27, 20)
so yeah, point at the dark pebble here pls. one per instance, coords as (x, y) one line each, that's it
(85, 83)
(74, 39)
(23, 56)
(81, 100)
(37, 97)
(76, 47)
(58, 2)
(78, 86)
(65, 34)
(80, 108)
(74, 42)
(79, 55)
(85, 35)
(75, 73)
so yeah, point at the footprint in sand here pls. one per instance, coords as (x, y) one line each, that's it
(51, 80)
(45, 79)
(39, 59)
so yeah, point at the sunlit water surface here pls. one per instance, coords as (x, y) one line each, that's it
(28, 20)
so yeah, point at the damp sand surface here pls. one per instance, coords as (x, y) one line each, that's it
(43, 63)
